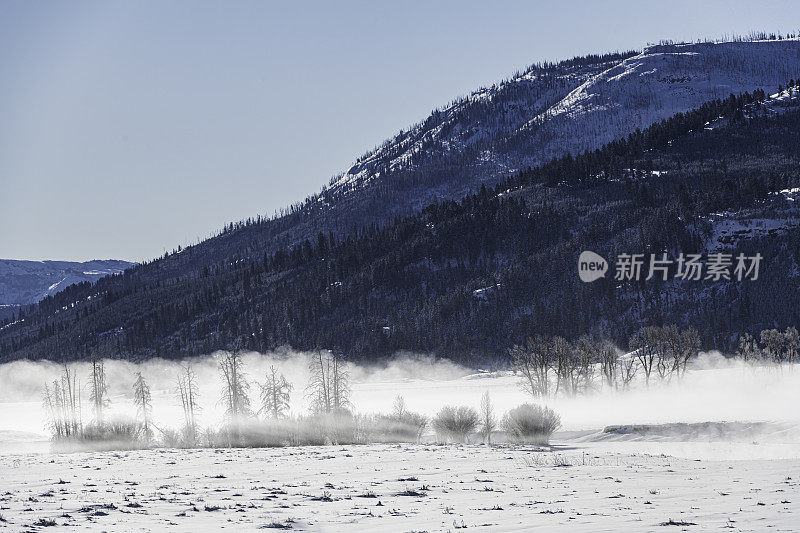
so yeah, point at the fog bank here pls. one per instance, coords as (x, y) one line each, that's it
(713, 389)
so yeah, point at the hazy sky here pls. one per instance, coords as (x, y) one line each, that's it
(127, 128)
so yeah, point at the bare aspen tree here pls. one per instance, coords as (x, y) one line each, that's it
(72, 388)
(340, 381)
(488, 419)
(628, 367)
(609, 364)
(564, 364)
(329, 386)
(792, 343)
(586, 353)
(318, 388)
(62, 405)
(235, 386)
(53, 409)
(275, 395)
(645, 351)
(689, 346)
(534, 362)
(98, 389)
(189, 394)
(399, 409)
(144, 405)
(674, 349)
(665, 341)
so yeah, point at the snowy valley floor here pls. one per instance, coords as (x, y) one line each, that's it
(577, 485)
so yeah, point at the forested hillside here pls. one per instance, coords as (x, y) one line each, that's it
(466, 279)
(544, 111)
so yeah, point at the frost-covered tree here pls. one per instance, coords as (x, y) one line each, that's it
(586, 352)
(533, 361)
(488, 418)
(628, 368)
(144, 405)
(189, 393)
(645, 345)
(748, 348)
(774, 342)
(234, 386)
(98, 389)
(688, 346)
(399, 409)
(275, 395)
(62, 403)
(791, 343)
(564, 365)
(609, 364)
(329, 386)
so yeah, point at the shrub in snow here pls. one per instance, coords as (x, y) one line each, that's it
(455, 424)
(403, 427)
(171, 438)
(530, 423)
(253, 433)
(338, 427)
(116, 434)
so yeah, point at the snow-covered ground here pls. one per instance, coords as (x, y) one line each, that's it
(744, 476)
(579, 486)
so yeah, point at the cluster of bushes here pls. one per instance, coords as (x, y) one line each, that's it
(319, 429)
(339, 426)
(115, 434)
(527, 423)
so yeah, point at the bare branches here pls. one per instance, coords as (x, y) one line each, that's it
(488, 419)
(609, 364)
(329, 386)
(63, 405)
(144, 406)
(235, 386)
(189, 394)
(98, 389)
(533, 361)
(275, 395)
(643, 342)
(666, 350)
(455, 424)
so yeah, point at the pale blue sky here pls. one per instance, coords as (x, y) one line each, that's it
(127, 128)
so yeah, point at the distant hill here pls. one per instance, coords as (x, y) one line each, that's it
(27, 282)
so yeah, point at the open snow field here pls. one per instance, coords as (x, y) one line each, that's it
(580, 486)
(742, 476)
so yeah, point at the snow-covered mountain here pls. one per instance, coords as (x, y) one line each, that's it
(540, 113)
(193, 301)
(25, 282)
(571, 106)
